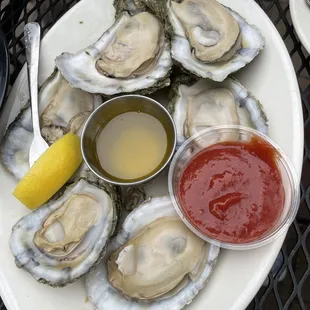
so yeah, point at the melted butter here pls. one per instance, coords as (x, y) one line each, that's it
(132, 145)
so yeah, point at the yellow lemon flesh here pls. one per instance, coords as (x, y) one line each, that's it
(50, 172)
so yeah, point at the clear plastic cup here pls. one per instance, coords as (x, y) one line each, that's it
(216, 134)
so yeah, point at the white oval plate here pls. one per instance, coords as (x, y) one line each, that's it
(300, 13)
(238, 275)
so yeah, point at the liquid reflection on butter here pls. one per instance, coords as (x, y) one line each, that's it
(132, 145)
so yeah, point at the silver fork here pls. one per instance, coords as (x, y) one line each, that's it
(32, 44)
(308, 2)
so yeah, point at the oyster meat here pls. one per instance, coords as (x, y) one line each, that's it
(212, 32)
(65, 238)
(154, 259)
(167, 247)
(132, 55)
(62, 109)
(205, 103)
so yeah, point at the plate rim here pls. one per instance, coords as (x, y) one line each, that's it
(293, 4)
(5, 83)
(250, 290)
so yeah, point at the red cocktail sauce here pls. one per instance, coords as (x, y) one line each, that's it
(233, 191)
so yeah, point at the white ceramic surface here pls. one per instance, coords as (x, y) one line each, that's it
(300, 13)
(238, 275)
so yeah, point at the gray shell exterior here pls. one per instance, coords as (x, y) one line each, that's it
(130, 6)
(133, 197)
(104, 296)
(157, 7)
(50, 270)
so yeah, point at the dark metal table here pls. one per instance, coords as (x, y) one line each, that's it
(288, 284)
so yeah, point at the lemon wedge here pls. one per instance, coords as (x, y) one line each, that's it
(50, 172)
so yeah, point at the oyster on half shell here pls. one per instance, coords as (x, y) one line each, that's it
(212, 32)
(205, 103)
(132, 55)
(154, 259)
(208, 39)
(62, 109)
(66, 238)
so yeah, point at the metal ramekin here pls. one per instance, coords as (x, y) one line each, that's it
(112, 108)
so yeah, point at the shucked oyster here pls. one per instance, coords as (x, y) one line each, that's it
(210, 40)
(207, 39)
(213, 33)
(169, 249)
(132, 55)
(62, 109)
(154, 258)
(207, 103)
(64, 239)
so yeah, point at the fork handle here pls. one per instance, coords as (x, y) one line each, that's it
(32, 43)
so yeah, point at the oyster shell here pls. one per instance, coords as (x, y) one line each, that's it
(220, 46)
(66, 238)
(212, 32)
(133, 197)
(205, 103)
(208, 39)
(132, 55)
(62, 109)
(167, 246)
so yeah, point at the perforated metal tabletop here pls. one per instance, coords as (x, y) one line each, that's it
(288, 283)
